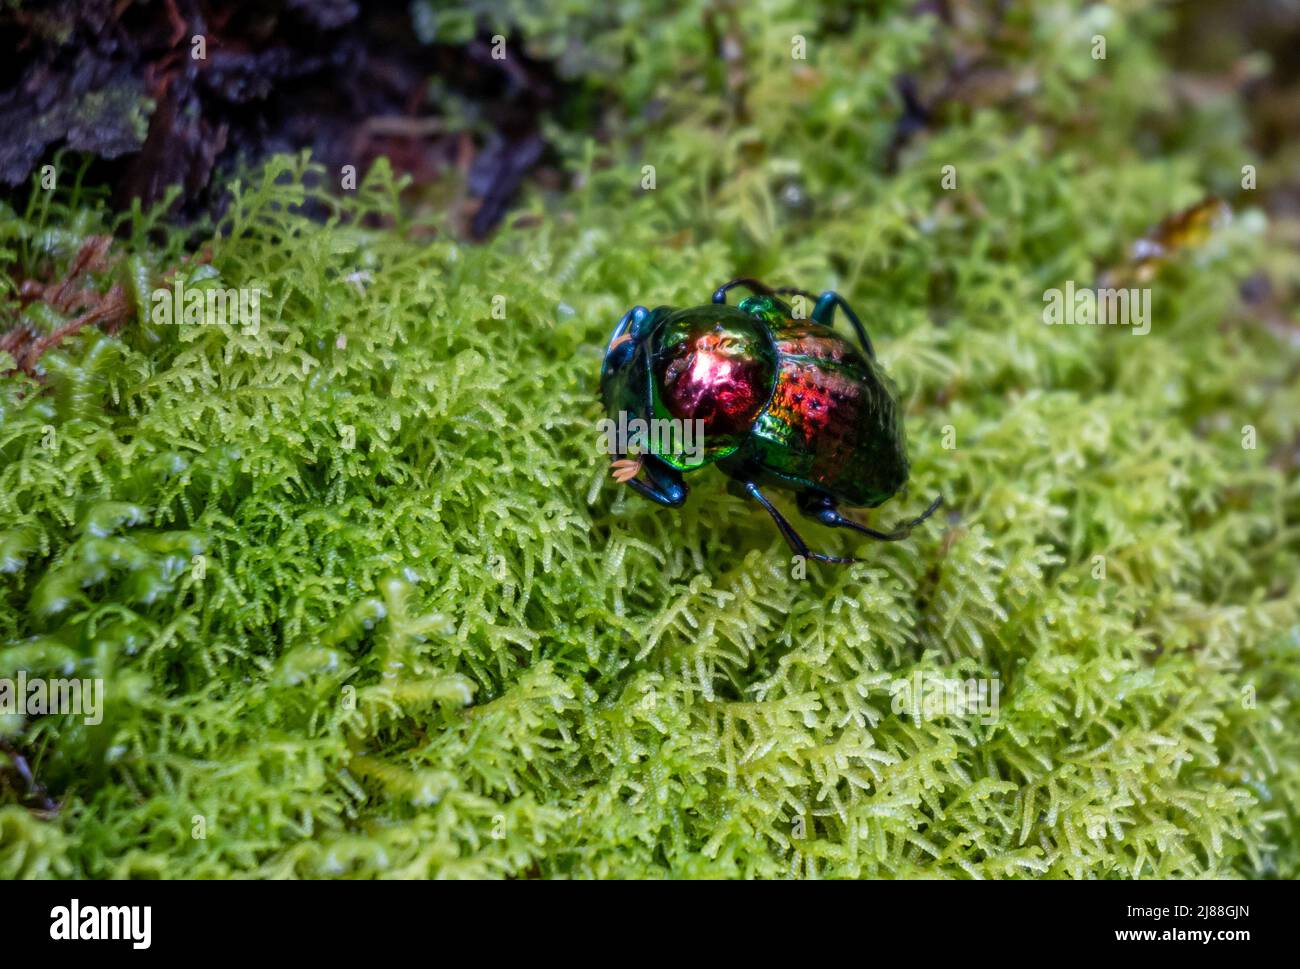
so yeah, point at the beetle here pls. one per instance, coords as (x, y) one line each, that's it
(782, 402)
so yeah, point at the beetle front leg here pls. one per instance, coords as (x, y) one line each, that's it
(665, 484)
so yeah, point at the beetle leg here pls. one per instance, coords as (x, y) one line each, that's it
(824, 312)
(665, 485)
(795, 291)
(796, 543)
(821, 507)
(753, 285)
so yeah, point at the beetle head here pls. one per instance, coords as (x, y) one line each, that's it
(624, 381)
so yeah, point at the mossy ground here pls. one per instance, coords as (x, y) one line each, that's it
(431, 638)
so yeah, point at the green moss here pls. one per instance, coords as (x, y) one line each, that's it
(365, 601)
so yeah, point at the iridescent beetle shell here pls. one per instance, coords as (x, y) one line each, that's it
(791, 395)
(781, 401)
(831, 421)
